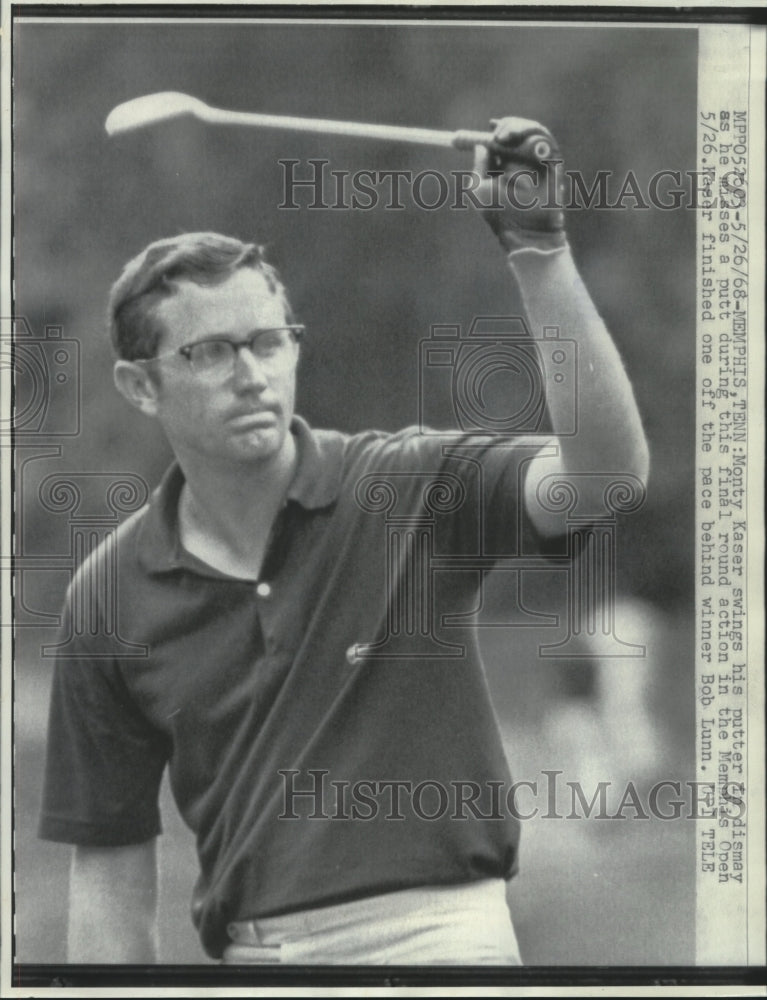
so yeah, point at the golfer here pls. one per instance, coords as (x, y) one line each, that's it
(342, 772)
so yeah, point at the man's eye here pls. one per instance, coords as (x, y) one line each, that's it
(210, 352)
(267, 343)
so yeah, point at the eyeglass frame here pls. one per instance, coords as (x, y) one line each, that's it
(297, 329)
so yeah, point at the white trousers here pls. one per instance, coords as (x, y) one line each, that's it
(466, 924)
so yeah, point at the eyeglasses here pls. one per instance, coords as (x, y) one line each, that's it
(216, 358)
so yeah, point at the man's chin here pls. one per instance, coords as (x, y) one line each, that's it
(260, 445)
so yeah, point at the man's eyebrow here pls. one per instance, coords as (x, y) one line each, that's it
(226, 335)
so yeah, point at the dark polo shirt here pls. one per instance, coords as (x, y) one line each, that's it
(350, 666)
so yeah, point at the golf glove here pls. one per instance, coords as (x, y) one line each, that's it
(522, 186)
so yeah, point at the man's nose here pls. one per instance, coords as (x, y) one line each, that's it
(247, 367)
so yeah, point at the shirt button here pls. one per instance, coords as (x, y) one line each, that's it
(263, 590)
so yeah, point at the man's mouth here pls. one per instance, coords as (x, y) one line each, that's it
(254, 418)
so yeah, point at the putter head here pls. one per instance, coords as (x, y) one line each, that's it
(153, 108)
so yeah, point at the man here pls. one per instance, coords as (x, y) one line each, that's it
(278, 687)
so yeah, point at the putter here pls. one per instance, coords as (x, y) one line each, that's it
(167, 105)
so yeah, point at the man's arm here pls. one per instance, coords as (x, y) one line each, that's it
(529, 225)
(609, 436)
(113, 904)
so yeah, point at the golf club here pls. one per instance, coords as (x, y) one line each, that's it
(154, 108)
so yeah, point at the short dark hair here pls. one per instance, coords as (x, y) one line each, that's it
(204, 258)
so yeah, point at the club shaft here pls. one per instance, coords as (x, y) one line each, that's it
(151, 109)
(360, 130)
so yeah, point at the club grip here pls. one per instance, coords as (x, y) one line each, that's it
(534, 148)
(466, 139)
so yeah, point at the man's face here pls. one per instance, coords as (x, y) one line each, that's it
(244, 417)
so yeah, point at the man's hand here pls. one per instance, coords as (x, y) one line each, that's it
(522, 186)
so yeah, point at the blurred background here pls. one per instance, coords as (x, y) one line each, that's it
(369, 284)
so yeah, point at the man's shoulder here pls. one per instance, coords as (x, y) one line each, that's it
(425, 445)
(117, 550)
(386, 449)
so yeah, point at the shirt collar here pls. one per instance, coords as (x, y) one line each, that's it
(319, 467)
(315, 485)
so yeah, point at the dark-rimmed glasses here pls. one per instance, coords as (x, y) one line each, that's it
(216, 357)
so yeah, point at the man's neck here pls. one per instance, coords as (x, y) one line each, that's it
(226, 513)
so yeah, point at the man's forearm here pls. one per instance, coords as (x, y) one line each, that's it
(113, 904)
(609, 435)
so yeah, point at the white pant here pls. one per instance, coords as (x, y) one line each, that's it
(466, 924)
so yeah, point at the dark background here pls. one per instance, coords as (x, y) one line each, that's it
(369, 284)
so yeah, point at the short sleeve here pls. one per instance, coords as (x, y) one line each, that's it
(493, 516)
(510, 529)
(104, 759)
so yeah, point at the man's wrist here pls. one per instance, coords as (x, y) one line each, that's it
(518, 254)
(515, 244)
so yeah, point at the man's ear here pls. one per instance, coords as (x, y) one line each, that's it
(137, 385)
